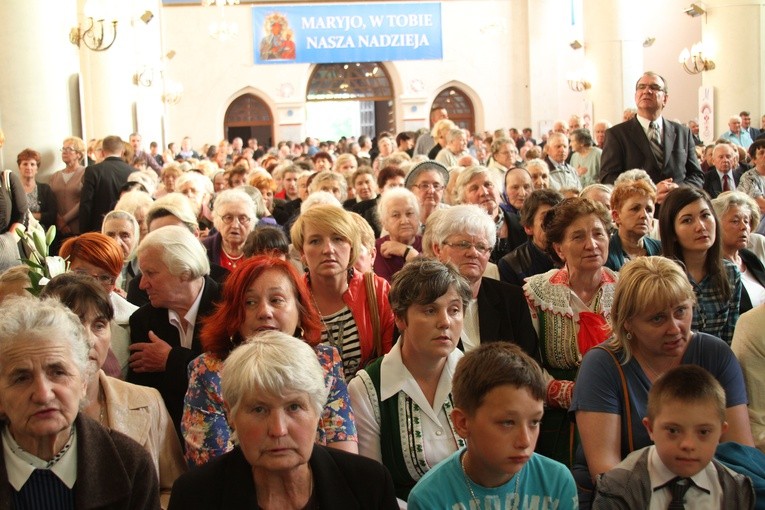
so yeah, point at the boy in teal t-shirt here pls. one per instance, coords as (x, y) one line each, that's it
(498, 394)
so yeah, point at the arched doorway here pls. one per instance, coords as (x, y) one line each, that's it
(361, 97)
(248, 116)
(459, 106)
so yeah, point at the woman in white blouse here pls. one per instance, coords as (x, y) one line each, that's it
(411, 384)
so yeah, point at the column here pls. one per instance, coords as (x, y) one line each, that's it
(39, 103)
(613, 38)
(733, 34)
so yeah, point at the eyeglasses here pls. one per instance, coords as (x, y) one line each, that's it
(466, 245)
(68, 149)
(229, 219)
(103, 279)
(653, 87)
(425, 186)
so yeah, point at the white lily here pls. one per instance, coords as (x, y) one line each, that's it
(55, 265)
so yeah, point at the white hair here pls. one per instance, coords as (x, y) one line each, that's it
(26, 319)
(197, 179)
(383, 206)
(182, 253)
(319, 198)
(273, 363)
(468, 175)
(462, 219)
(235, 196)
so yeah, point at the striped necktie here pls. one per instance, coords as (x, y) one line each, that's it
(655, 139)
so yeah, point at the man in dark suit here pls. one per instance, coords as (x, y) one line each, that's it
(164, 335)
(101, 185)
(670, 159)
(723, 157)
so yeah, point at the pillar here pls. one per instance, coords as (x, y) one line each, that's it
(613, 43)
(733, 34)
(39, 98)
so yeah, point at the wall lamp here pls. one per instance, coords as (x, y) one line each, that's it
(694, 61)
(94, 35)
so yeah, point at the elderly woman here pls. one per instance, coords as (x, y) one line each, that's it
(427, 180)
(364, 186)
(738, 213)
(199, 190)
(52, 452)
(354, 308)
(136, 203)
(40, 198)
(540, 173)
(331, 182)
(170, 174)
(569, 309)
(275, 389)
(234, 218)
(400, 216)
(632, 207)
(585, 157)
(456, 147)
(99, 256)
(690, 234)
(752, 182)
(263, 293)
(518, 187)
(136, 411)
(478, 185)
(652, 333)
(462, 236)
(124, 229)
(66, 184)
(402, 401)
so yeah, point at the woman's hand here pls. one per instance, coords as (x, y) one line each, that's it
(393, 249)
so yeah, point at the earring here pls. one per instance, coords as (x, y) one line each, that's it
(350, 273)
(629, 336)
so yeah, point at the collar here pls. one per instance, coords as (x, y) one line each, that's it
(20, 464)
(644, 123)
(722, 175)
(395, 377)
(660, 474)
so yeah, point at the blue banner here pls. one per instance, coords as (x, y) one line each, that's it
(335, 33)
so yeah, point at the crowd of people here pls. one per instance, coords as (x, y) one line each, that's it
(431, 319)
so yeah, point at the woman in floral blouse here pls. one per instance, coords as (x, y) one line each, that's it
(263, 293)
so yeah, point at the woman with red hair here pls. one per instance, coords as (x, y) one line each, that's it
(101, 257)
(263, 293)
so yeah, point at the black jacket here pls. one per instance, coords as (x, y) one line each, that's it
(173, 382)
(101, 185)
(341, 480)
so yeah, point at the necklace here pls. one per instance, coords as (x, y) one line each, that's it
(231, 258)
(469, 483)
(336, 333)
(656, 374)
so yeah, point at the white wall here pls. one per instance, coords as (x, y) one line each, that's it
(511, 56)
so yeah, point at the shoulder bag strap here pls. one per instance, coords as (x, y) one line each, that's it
(374, 315)
(627, 406)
